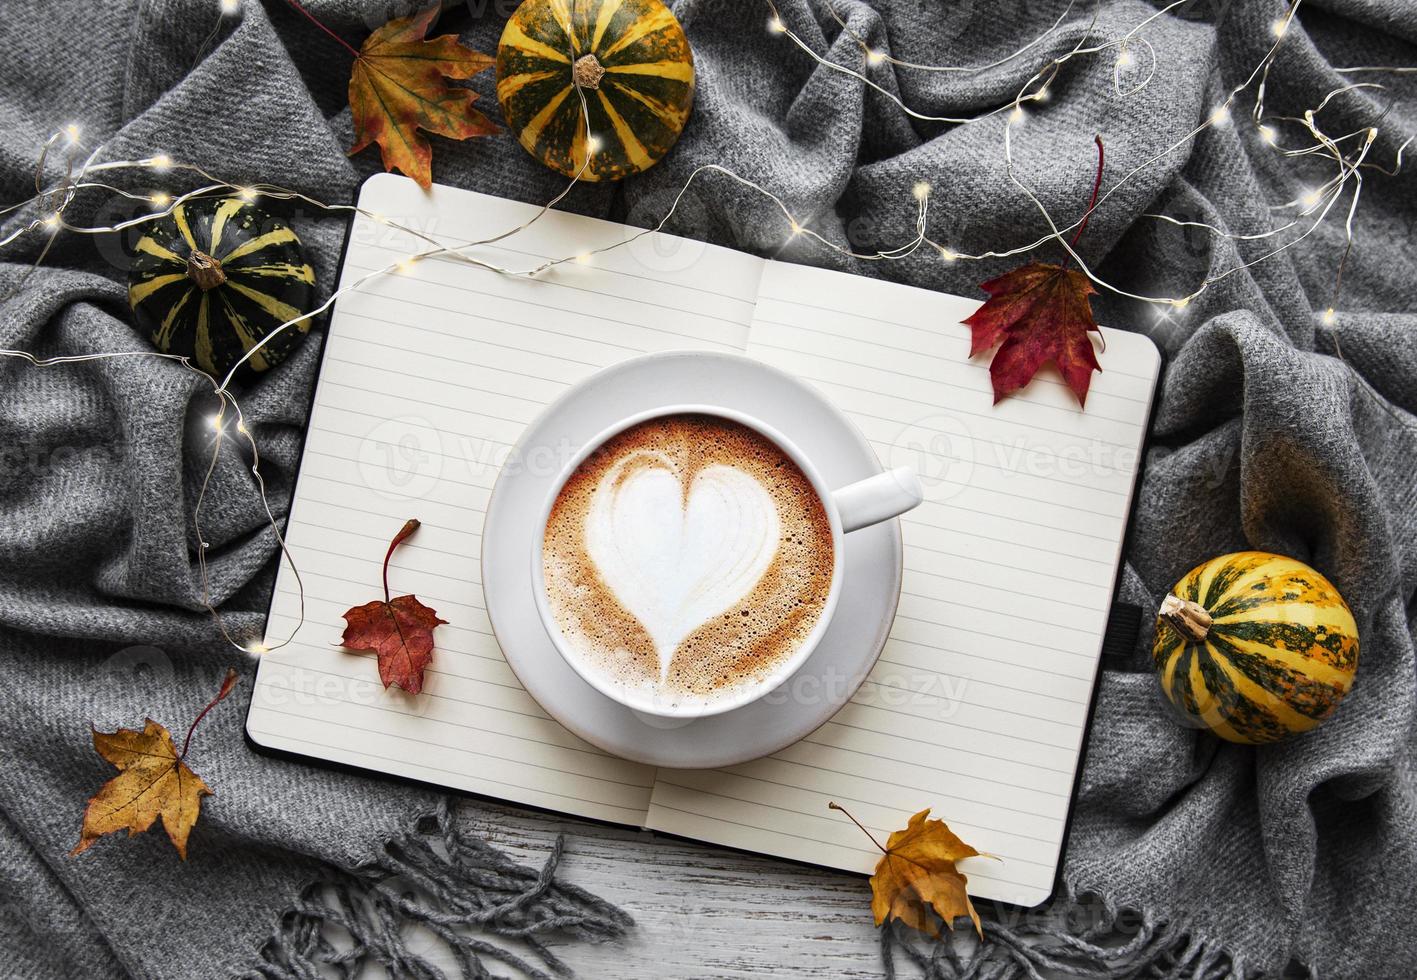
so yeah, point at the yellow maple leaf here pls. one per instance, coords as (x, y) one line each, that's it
(153, 782)
(398, 86)
(917, 872)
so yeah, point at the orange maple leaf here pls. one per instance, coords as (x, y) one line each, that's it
(398, 86)
(917, 873)
(153, 782)
(1039, 313)
(399, 631)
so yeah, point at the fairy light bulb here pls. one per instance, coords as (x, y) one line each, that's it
(1016, 117)
(921, 190)
(1220, 116)
(72, 131)
(1329, 315)
(214, 422)
(593, 145)
(583, 258)
(162, 199)
(1124, 58)
(160, 162)
(948, 256)
(50, 221)
(246, 193)
(256, 648)
(1280, 26)
(1309, 198)
(405, 266)
(875, 57)
(776, 26)
(796, 228)
(1268, 134)
(1181, 303)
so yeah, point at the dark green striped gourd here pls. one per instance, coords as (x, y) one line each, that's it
(214, 277)
(631, 61)
(1256, 647)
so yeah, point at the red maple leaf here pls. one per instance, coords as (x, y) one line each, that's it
(1039, 313)
(399, 631)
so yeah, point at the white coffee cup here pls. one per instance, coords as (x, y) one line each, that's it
(850, 508)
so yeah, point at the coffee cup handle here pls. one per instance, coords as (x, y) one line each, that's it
(878, 498)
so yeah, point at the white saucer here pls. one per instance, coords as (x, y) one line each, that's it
(872, 567)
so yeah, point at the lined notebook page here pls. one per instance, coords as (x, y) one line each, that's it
(978, 706)
(428, 379)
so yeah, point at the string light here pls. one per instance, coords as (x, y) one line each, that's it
(72, 131)
(583, 258)
(1329, 315)
(230, 7)
(257, 649)
(1348, 164)
(875, 56)
(1280, 26)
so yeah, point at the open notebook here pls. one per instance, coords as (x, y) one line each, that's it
(429, 377)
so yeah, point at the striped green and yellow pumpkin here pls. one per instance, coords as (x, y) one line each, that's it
(1256, 647)
(631, 61)
(214, 277)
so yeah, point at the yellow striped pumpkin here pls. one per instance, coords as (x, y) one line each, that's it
(1256, 647)
(214, 277)
(631, 61)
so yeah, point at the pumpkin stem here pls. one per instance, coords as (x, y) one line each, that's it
(204, 270)
(1189, 619)
(588, 71)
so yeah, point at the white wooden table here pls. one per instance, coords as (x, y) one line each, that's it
(701, 911)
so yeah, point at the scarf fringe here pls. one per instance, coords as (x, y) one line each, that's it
(435, 878)
(1031, 945)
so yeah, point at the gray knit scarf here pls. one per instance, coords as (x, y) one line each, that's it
(1186, 857)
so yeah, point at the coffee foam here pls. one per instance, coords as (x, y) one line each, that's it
(738, 600)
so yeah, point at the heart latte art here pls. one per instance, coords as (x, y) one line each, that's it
(687, 557)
